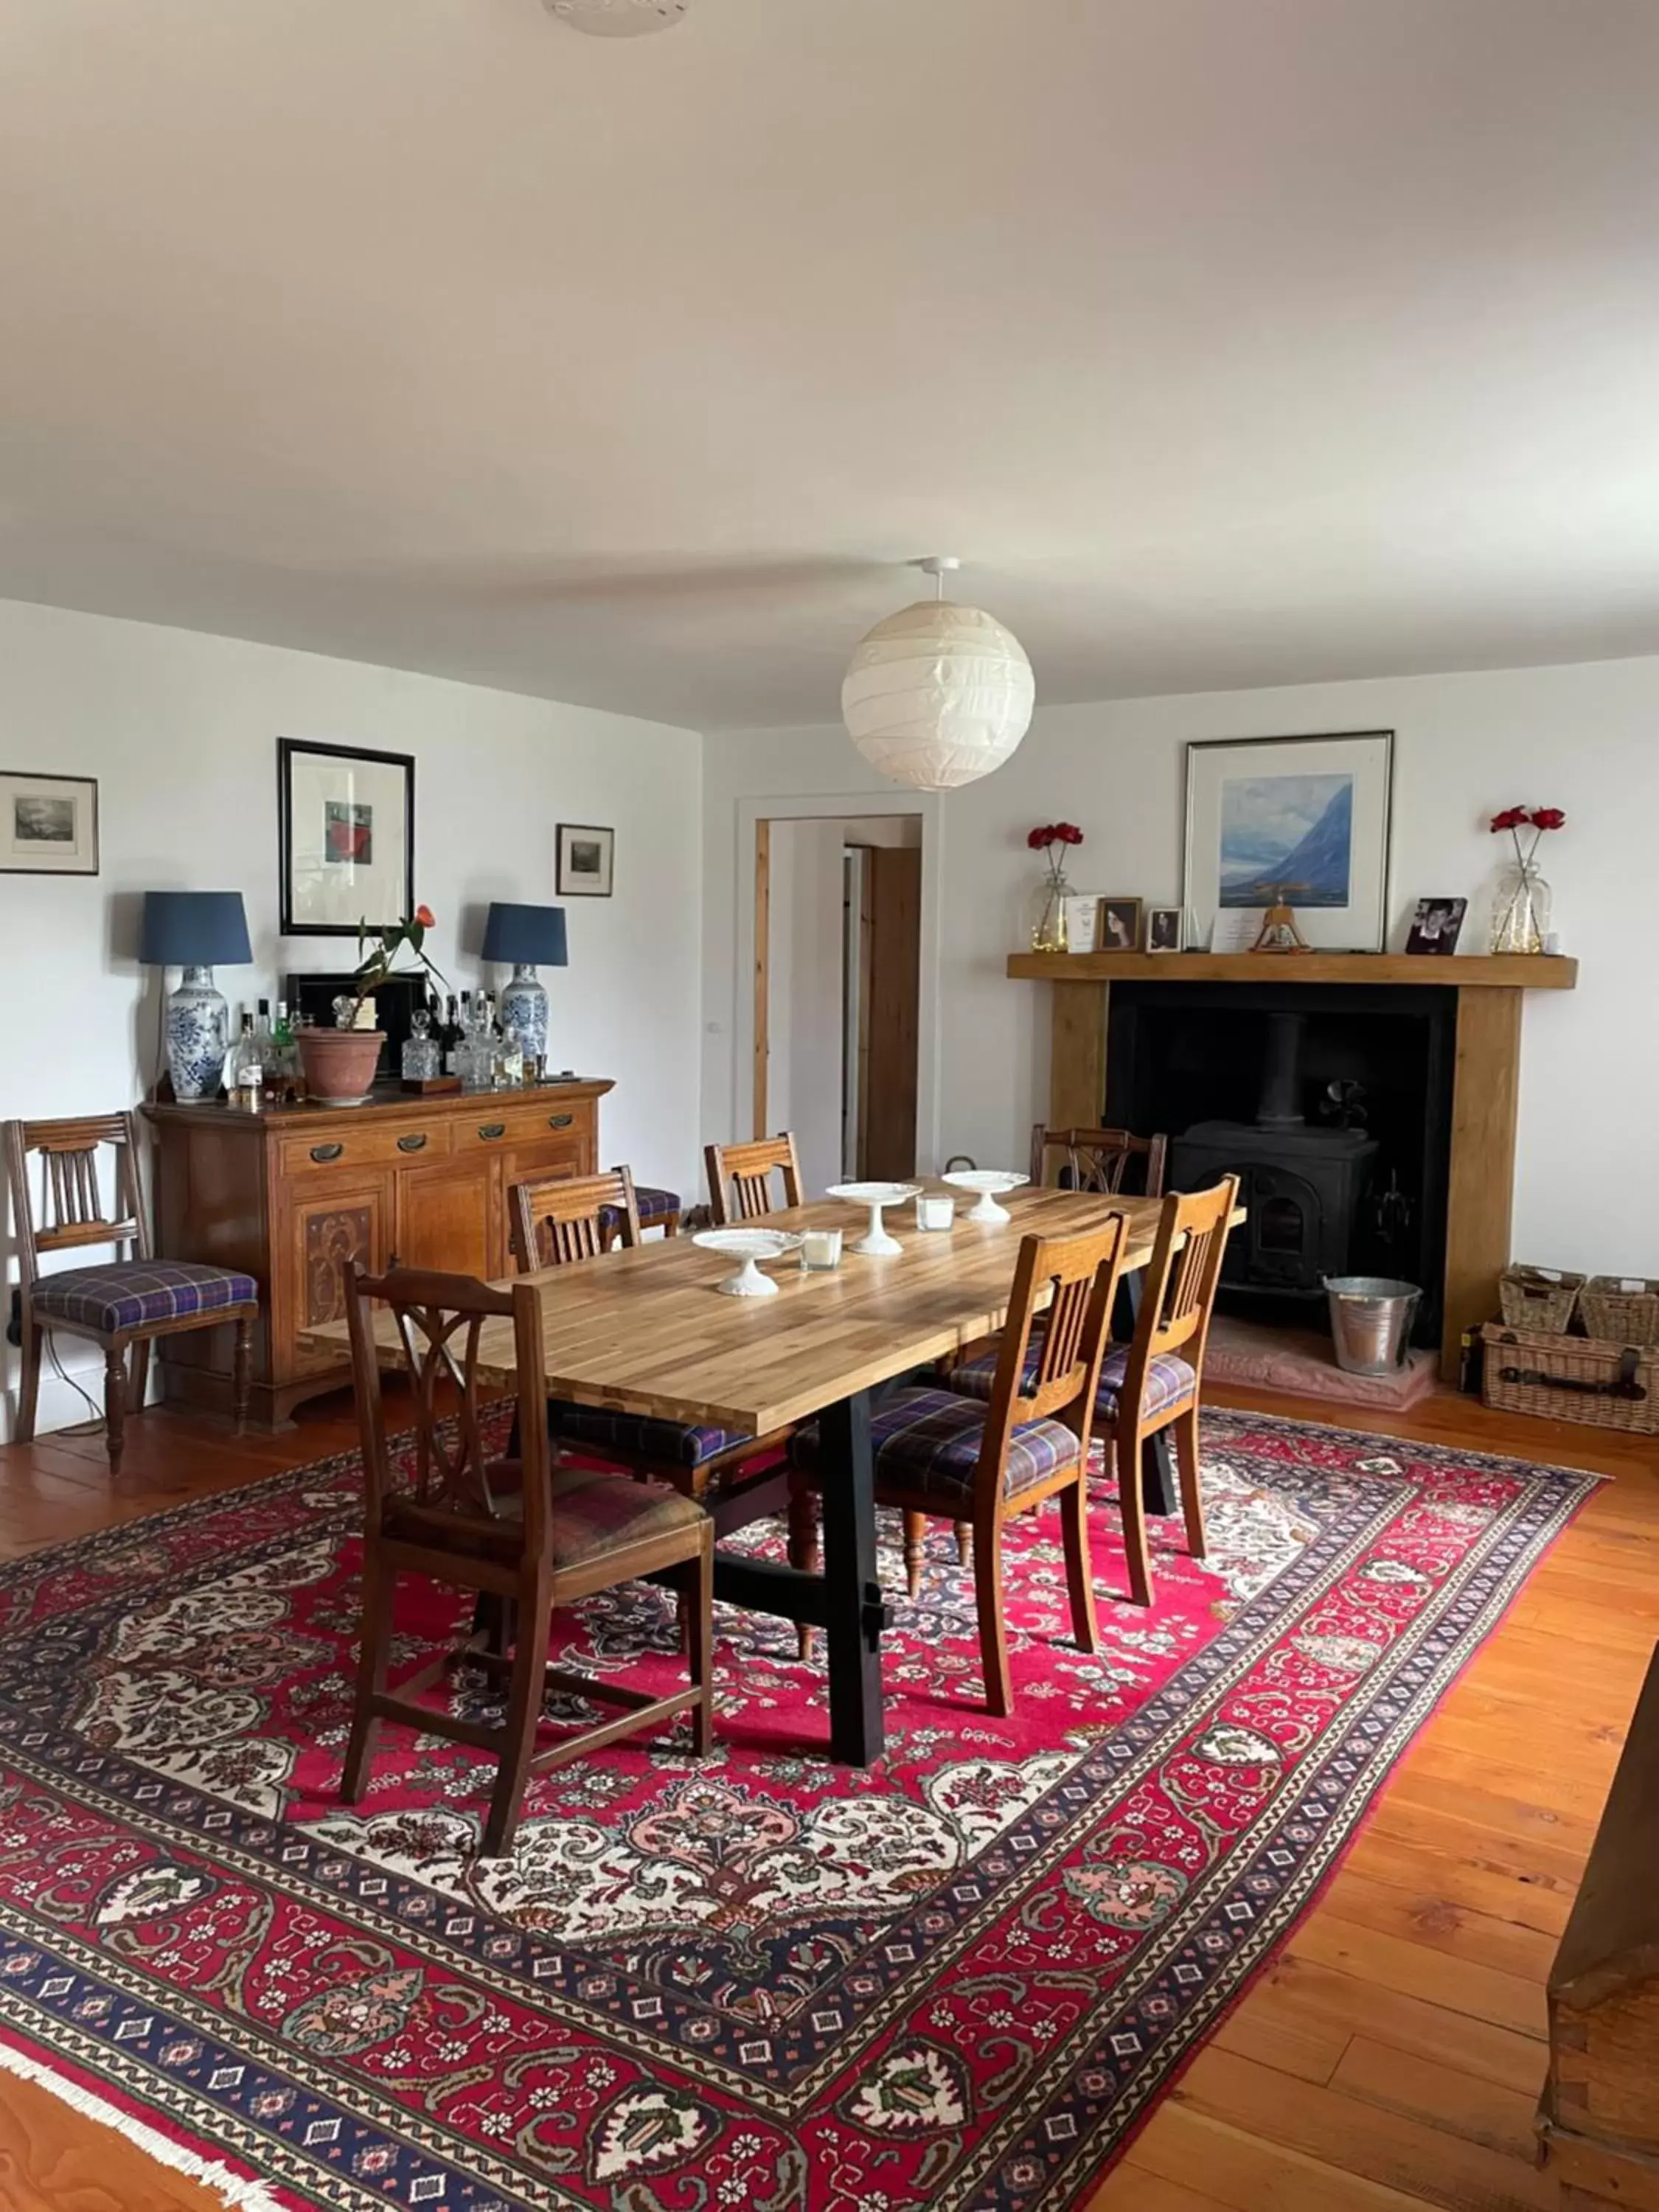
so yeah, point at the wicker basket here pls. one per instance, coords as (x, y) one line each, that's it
(1620, 1308)
(1571, 1378)
(1539, 1297)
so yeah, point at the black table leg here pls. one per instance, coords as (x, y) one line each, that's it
(1157, 1476)
(852, 1608)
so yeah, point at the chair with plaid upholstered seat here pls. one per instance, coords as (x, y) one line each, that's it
(562, 1221)
(740, 1178)
(121, 1304)
(944, 1456)
(527, 1537)
(1154, 1382)
(656, 1207)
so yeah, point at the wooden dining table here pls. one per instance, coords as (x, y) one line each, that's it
(646, 1331)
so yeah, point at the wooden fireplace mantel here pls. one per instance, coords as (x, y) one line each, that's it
(1485, 1083)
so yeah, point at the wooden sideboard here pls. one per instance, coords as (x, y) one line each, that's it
(290, 1195)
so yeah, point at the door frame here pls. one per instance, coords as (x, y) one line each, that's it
(752, 967)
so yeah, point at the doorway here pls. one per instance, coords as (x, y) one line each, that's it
(837, 992)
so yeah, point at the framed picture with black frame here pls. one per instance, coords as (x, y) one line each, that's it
(48, 824)
(346, 838)
(586, 860)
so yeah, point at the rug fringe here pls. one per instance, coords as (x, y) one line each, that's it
(239, 2195)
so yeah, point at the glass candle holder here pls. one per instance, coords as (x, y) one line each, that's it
(933, 1211)
(820, 1250)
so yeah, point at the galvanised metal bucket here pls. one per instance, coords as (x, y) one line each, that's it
(1371, 1320)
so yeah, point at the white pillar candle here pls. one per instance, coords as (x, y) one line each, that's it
(821, 1248)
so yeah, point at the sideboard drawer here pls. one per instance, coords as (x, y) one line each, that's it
(377, 1145)
(498, 1127)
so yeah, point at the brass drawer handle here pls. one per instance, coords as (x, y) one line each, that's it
(323, 1153)
(416, 1144)
(560, 1120)
(490, 1130)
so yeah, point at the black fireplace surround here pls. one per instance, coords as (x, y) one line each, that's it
(1331, 1102)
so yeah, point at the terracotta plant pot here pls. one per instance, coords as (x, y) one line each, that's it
(340, 1064)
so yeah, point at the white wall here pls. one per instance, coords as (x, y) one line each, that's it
(1584, 737)
(181, 732)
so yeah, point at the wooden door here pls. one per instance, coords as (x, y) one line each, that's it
(446, 1217)
(892, 1022)
(327, 1231)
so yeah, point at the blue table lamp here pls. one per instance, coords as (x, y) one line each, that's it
(196, 931)
(528, 937)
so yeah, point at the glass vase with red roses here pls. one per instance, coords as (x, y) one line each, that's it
(1521, 897)
(1053, 840)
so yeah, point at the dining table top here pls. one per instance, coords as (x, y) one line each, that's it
(646, 1330)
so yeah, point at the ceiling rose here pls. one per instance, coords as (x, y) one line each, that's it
(937, 695)
(618, 18)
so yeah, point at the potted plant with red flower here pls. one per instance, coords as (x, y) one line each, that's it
(339, 1063)
(1053, 840)
(1521, 902)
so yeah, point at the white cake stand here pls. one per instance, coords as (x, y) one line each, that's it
(751, 1246)
(990, 1184)
(875, 1243)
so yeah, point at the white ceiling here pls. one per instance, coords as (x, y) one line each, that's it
(1227, 340)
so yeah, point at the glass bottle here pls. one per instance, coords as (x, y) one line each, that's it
(284, 1051)
(245, 1073)
(1520, 908)
(420, 1052)
(263, 1043)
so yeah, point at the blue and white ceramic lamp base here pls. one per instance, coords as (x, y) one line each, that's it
(524, 1008)
(198, 1036)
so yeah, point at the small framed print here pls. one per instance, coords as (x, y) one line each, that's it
(587, 859)
(1082, 922)
(1120, 924)
(346, 838)
(1166, 928)
(48, 825)
(1436, 924)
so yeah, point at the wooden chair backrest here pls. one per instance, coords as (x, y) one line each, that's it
(71, 1189)
(1097, 1159)
(558, 1220)
(440, 1321)
(1178, 1296)
(740, 1177)
(1082, 1272)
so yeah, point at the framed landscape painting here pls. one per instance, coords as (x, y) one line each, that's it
(346, 825)
(1300, 821)
(48, 825)
(586, 860)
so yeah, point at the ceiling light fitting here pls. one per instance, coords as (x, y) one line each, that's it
(618, 18)
(937, 695)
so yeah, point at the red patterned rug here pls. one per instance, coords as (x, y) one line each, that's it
(961, 1978)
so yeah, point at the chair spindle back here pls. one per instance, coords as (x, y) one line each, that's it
(1082, 1272)
(71, 1209)
(740, 1177)
(1184, 1273)
(1097, 1159)
(558, 1220)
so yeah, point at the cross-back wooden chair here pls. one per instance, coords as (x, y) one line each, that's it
(125, 1302)
(942, 1456)
(740, 1178)
(1097, 1159)
(528, 1537)
(558, 1222)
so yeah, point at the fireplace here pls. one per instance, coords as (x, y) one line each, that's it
(1333, 1106)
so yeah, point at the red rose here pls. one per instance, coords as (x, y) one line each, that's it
(1548, 817)
(1071, 833)
(1512, 817)
(425, 917)
(1036, 839)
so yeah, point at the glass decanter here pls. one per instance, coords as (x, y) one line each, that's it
(423, 1058)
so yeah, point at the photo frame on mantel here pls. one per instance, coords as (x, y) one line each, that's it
(1302, 821)
(345, 838)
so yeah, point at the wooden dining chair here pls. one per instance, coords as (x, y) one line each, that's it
(942, 1456)
(123, 1303)
(556, 1223)
(1097, 1159)
(527, 1537)
(740, 1178)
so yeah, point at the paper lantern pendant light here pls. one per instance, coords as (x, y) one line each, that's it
(937, 695)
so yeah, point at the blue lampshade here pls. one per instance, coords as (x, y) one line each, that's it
(194, 929)
(532, 936)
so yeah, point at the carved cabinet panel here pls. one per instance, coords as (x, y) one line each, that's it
(329, 1232)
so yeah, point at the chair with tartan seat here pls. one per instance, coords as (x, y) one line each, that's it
(121, 1304)
(740, 1178)
(942, 1455)
(655, 1206)
(525, 1537)
(559, 1221)
(1154, 1382)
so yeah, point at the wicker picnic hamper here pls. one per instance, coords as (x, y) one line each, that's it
(1622, 1308)
(1571, 1378)
(1539, 1297)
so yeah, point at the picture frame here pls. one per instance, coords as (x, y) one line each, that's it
(586, 860)
(1120, 924)
(1306, 819)
(48, 824)
(1437, 924)
(1166, 929)
(1082, 921)
(345, 818)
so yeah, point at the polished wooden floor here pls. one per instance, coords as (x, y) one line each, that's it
(1391, 2058)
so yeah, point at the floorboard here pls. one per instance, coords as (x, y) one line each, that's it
(1388, 2060)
